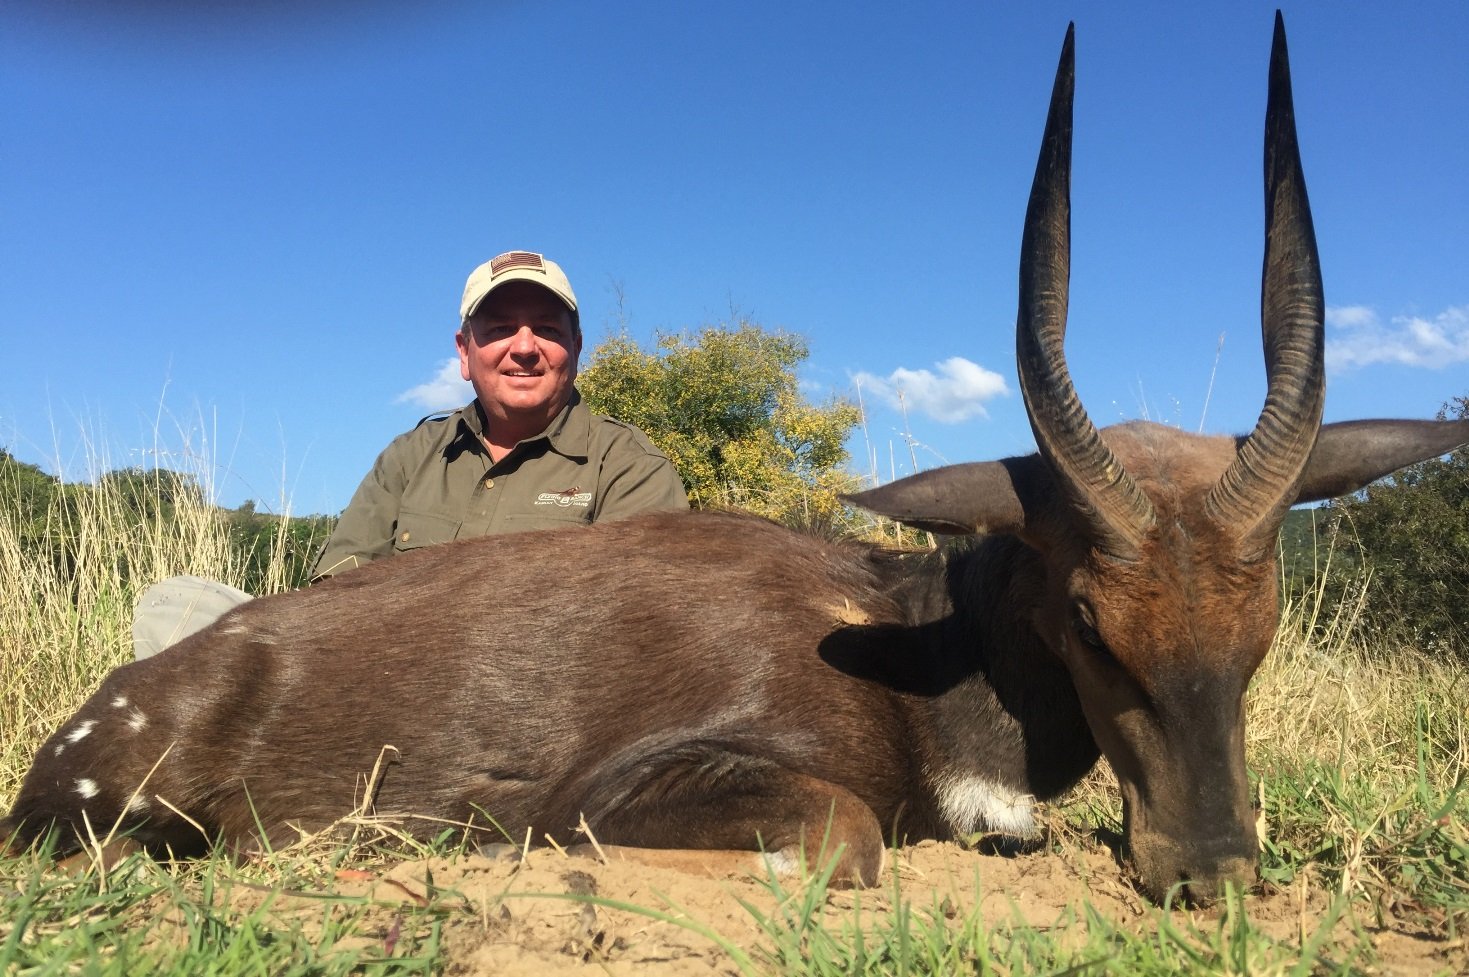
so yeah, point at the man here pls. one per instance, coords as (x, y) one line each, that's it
(525, 454)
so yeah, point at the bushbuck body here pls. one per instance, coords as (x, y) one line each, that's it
(713, 681)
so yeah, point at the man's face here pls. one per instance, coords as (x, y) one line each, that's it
(520, 354)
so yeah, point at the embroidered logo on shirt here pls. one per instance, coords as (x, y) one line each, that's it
(566, 497)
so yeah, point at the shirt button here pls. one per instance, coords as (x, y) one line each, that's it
(489, 482)
(403, 538)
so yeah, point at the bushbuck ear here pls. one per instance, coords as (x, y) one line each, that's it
(973, 498)
(1353, 454)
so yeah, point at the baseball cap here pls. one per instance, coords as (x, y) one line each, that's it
(516, 266)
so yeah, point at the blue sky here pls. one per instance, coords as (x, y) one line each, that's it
(240, 235)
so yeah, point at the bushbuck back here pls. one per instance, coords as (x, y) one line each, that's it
(713, 681)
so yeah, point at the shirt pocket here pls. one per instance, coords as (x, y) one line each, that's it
(417, 529)
(547, 517)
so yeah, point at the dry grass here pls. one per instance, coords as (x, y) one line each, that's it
(1360, 752)
(66, 616)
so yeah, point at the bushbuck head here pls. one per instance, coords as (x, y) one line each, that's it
(1163, 555)
(1158, 546)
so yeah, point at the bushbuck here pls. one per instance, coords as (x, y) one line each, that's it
(714, 682)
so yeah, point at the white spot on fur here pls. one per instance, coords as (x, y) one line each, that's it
(81, 732)
(786, 863)
(240, 630)
(137, 721)
(121, 702)
(972, 803)
(60, 748)
(138, 805)
(782, 864)
(87, 788)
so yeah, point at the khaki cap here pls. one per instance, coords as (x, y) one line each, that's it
(516, 266)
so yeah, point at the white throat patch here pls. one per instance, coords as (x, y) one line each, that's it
(972, 803)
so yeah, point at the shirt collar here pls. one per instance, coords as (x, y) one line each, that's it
(569, 433)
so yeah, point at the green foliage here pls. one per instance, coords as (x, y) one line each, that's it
(1300, 536)
(1401, 839)
(277, 553)
(29, 490)
(47, 518)
(1411, 533)
(725, 406)
(150, 493)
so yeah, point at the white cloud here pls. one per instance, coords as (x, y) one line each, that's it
(1351, 316)
(445, 391)
(956, 393)
(1356, 336)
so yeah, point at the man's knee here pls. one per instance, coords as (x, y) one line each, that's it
(172, 609)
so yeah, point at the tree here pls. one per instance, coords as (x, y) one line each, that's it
(150, 493)
(1412, 531)
(277, 553)
(725, 406)
(127, 514)
(27, 492)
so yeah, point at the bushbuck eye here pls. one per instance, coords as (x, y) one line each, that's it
(1084, 624)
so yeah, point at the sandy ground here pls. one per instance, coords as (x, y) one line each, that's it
(509, 916)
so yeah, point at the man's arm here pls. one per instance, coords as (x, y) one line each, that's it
(637, 477)
(365, 531)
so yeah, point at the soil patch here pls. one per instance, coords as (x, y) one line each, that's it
(553, 913)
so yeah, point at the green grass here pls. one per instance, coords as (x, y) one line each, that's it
(145, 918)
(1360, 757)
(917, 938)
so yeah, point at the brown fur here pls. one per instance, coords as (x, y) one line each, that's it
(536, 679)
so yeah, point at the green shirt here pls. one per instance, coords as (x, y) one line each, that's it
(436, 483)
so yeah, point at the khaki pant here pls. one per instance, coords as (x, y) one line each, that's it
(172, 609)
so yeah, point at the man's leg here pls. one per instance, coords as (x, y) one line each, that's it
(172, 609)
